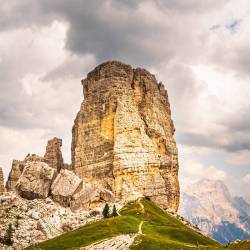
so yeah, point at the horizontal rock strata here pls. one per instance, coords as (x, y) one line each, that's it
(123, 135)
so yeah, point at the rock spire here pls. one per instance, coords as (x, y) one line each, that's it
(123, 135)
(53, 154)
(1, 181)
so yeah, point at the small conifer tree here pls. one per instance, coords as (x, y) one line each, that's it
(114, 211)
(7, 240)
(105, 211)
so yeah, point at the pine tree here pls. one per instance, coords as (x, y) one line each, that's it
(7, 240)
(114, 212)
(105, 211)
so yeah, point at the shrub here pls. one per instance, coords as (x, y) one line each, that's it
(114, 211)
(105, 211)
(7, 239)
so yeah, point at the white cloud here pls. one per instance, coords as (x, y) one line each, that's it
(16, 144)
(38, 49)
(45, 52)
(43, 93)
(192, 170)
(246, 179)
(213, 173)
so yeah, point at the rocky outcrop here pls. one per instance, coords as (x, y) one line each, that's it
(37, 220)
(121, 242)
(65, 186)
(53, 154)
(1, 181)
(70, 191)
(35, 180)
(53, 157)
(15, 173)
(123, 135)
(17, 169)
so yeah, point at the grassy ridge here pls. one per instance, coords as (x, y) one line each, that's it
(244, 245)
(163, 231)
(160, 231)
(91, 233)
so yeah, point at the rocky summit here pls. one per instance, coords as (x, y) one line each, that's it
(123, 135)
(209, 205)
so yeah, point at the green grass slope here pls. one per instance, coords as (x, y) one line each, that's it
(160, 230)
(243, 245)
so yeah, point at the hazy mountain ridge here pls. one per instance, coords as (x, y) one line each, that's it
(209, 205)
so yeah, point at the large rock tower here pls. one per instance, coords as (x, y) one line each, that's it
(123, 135)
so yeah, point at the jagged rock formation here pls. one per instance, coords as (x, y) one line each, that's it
(123, 135)
(37, 220)
(35, 180)
(70, 191)
(209, 204)
(15, 173)
(17, 169)
(1, 181)
(53, 154)
(65, 186)
(53, 157)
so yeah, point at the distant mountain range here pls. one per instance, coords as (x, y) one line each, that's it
(209, 205)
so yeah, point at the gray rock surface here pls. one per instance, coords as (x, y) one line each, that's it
(35, 180)
(53, 154)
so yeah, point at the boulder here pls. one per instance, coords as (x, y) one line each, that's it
(106, 195)
(65, 186)
(88, 195)
(35, 180)
(70, 191)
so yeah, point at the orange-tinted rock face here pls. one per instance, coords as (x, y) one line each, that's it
(123, 135)
(1, 181)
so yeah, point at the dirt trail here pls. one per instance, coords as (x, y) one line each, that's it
(143, 211)
(140, 228)
(119, 242)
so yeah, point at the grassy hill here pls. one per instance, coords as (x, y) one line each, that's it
(243, 245)
(155, 229)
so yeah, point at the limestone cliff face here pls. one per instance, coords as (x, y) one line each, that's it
(123, 135)
(1, 181)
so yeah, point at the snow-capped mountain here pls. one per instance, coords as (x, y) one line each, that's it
(209, 205)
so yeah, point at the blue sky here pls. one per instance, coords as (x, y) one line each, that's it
(198, 49)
